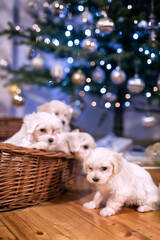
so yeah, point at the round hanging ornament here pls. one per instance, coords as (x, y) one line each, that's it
(149, 121)
(118, 76)
(31, 6)
(37, 63)
(14, 89)
(78, 78)
(135, 84)
(98, 75)
(18, 99)
(90, 44)
(105, 24)
(57, 72)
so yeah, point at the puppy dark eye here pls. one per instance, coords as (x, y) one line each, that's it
(85, 146)
(43, 130)
(103, 168)
(56, 113)
(90, 168)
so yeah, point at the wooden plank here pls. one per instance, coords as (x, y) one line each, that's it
(5, 233)
(66, 219)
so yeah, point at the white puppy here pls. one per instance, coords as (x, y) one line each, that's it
(119, 182)
(62, 110)
(37, 131)
(79, 143)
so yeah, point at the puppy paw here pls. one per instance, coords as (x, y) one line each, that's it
(89, 205)
(40, 145)
(107, 211)
(144, 208)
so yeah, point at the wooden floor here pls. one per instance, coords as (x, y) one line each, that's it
(65, 219)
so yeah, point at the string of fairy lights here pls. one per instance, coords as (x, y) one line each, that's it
(103, 26)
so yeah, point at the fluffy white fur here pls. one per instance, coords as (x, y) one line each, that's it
(119, 183)
(79, 143)
(37, 131)
(62, 110)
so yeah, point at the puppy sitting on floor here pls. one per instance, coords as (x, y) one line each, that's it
(37, 131)
(119, 182)
(63, 111)
(79, 143)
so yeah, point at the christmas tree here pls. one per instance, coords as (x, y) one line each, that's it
(110, 49)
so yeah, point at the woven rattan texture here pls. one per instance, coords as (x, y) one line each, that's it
(30, 176)
(9, 126)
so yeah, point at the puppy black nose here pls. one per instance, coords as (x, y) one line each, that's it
(63, 122)
(95, 179)
(50, 140)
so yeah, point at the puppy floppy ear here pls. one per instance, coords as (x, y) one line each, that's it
(73, 143)
(117, 162)
(30, 122)
(43, 108)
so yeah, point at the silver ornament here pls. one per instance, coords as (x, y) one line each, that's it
(90, 44)
(149, 121)
(57, 72)
(105, 24)
(118, 76)
(110, 97)
(37, 63)
(98, 75)
(31, 6)
(135, 84)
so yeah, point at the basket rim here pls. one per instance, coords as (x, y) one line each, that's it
(8, 148)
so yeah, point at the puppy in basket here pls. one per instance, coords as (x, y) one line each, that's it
(63, 111)
(79, 143)
(37, 131)
(119, 183)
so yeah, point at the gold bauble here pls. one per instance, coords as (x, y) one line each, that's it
(17, 100)
(90, 44)
(78, 78)
(118, 76)
(14, 89)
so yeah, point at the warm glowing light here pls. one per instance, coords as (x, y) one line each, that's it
(93, 104)
(92, 63)
(127, 96)
(88, 80)
(17, 28)
(155, 89)
(117, 104)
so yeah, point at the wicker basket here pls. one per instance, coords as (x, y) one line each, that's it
(30, 176)
(9, 126)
